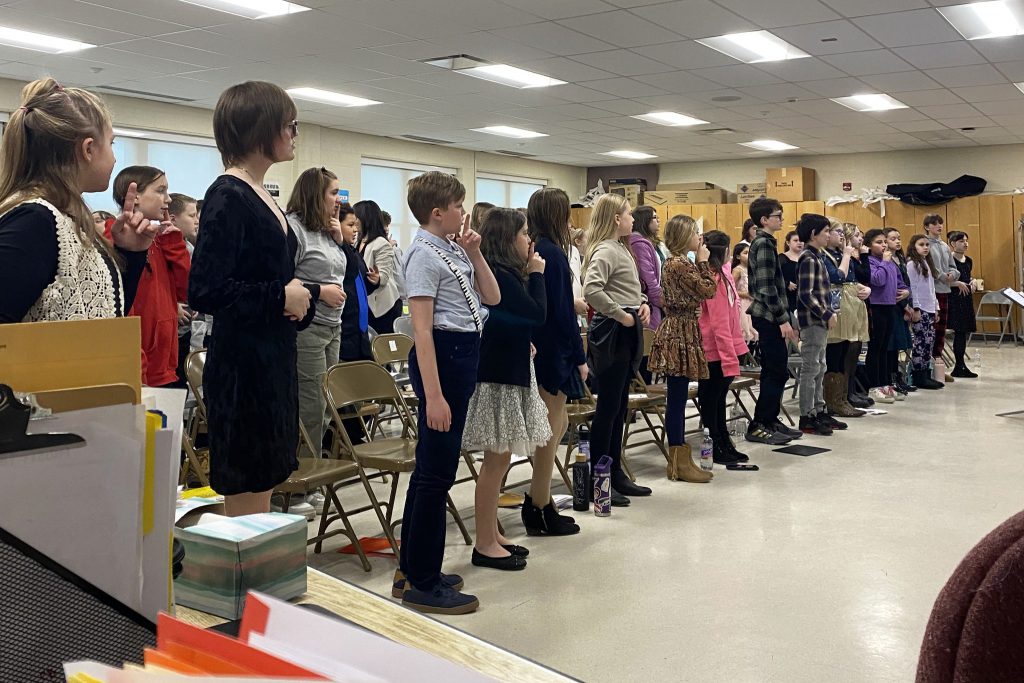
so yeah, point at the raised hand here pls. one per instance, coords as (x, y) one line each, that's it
(535, 263)
(131, 230)
(373, 276)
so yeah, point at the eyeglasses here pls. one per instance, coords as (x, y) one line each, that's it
(775, 215)
(293, 127)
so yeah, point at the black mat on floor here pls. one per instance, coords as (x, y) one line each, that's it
(802, 450)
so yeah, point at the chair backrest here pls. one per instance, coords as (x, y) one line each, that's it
(347, 385)
(648, 340)
(403, 325)
(391, 348)
(994, 299)
(195, 363)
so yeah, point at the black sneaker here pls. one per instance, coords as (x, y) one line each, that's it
(777, 426)
(831, 421)
(441, 600)
(723, 456)
(761, 434)
(810, 424)
(399, 585)
(626, 486)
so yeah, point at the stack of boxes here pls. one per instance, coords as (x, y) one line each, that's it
(794, 184)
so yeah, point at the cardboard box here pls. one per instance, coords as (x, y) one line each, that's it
(794, 184)
(227, 557)
(660, 198)
(752, 188)
(669, 187)
(618, 182)
(633, 193)
(747, 197)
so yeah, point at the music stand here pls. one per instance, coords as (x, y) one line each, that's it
(1017, 298)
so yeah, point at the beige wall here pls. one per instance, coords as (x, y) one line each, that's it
(1000, 165)
(341, 151)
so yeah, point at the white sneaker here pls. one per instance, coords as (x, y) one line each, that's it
(296, 507)
(891, 390)
(878, 395)
(316, 500)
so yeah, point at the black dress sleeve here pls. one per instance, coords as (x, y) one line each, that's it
(213, 287)
(28, 259)
(520, 305)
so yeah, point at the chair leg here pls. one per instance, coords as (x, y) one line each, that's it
(350, 532)
(385, 524)
(458, 520)
(471, 464)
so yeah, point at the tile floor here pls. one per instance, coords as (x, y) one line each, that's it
(819, 568)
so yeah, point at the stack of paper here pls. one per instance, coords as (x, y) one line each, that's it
(278, 641)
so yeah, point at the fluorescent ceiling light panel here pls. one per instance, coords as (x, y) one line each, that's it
(669, 118)
(327, 97)
(628, 154)
(251, 9)
(513, 76)
(510, 132)
(40, 42)
(1020, 86)
(768, 145)
(128, 133)
(870, 102)
(980, 20)
(754, 47)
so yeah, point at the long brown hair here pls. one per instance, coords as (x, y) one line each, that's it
(476, 216)
(549, 213)
(603, 225)
(924, 263)
(678, 233)
(498, 233)
(642, 218)
(308, 200)
(39, 155)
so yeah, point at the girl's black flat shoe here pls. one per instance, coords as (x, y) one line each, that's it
(512, 563)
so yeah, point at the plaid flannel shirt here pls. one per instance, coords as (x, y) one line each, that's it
(767, 287)
(812, 305)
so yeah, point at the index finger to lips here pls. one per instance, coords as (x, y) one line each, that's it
(130, 197)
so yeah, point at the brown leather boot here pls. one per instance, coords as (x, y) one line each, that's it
(680, 466)
(836, 399)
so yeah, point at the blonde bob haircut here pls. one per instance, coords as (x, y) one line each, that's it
(603, 223)
(678, 233)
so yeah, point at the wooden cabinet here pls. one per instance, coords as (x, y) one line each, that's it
(995, 257)
(580, 217)
(709, 212)
(965, 214)
(730, 221)
(810, 207)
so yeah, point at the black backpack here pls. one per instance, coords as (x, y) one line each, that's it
(937, 193)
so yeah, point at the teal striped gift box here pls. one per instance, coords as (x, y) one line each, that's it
(227, 558)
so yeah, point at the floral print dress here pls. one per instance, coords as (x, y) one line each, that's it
(677, 349)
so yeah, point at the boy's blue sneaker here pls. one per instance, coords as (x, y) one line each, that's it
(441, 600)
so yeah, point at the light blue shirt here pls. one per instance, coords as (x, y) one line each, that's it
(426, 274)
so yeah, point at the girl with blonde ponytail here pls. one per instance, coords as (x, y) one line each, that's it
(611, 286)
(53, 265)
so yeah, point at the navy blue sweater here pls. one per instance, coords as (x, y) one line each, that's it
(505, 345)
(558, 341)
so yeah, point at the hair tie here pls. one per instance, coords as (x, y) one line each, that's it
(25, 109)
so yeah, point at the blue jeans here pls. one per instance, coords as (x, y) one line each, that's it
(437, 457)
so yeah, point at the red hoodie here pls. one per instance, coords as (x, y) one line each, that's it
(164, 283)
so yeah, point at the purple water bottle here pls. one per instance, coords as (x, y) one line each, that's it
(603, 487)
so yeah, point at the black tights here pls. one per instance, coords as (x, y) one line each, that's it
(711, 395)
(835, 356)
(960, 348)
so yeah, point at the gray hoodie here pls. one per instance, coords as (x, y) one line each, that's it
(942, 259)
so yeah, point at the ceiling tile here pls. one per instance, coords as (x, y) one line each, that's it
(858, 8)
(959, 76)
(939, 55)
(696, 18)
(736, 76)
(778, 92)
(624, 87)
(929, 97)
(989, 93)
(836, 87)
(1001, 49)
(848, 38)
(620, 28)
(900, 82)
(948, 111)
(977, 121)
(553, 39)
(918, 126)
(775, 14)
(622, 63)
(867, 62)
(685, 54)
(623, 106)
(679, 82)
(1003, 108)
(578, 93)
(565, 69)
(1012, 70)
(561, 9)
(797, 70)
(917, 27)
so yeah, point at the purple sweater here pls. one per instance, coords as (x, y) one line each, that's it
(886, 279)
(649, 269)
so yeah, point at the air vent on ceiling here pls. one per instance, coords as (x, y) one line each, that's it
(937, 135)
(432, 141)
(509, 153)
(716, 131)
(142, 93)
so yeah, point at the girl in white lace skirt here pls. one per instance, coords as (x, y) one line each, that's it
(506, 413)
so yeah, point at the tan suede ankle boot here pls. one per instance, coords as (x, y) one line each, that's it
(680, 466)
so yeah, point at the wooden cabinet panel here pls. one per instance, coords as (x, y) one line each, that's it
(709, 212)
(811, 207)
(997, 255)
(677, 209)
(965, 214)
(580, 217)
(730, 221)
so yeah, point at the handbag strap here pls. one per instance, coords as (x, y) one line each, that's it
(463, 284)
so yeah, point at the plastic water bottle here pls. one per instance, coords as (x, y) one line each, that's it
(737, 420)
(581, 472)
(707, 452)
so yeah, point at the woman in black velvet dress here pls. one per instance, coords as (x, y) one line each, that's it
(243, 275)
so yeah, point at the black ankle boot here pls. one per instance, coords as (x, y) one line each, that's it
(730, 448)
(546, 521)
(626, 486)
(923, 380)
(722, 454)
(962, 370)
